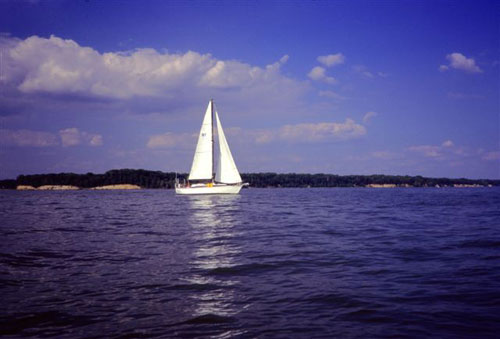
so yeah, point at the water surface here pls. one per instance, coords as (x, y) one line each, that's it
(266, 263)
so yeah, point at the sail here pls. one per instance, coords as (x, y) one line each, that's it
(203, 158)
(226, 168)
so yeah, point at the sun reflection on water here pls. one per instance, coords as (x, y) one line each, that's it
(214, 222)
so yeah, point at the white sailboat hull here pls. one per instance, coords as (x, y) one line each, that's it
(216, 189)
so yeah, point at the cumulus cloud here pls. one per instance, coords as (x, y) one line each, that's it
(70, 137)
(368, 116)
(96, 140)
(489, 156)
(284, 58)
(318, 73)
(331, 94)
(427, 150)
(452, 154)
(170, 140)
(314, 132)
(61, 66)
(447, 143)
(447, 147)
(384, 155)
(460, 62)
(302, 133)
(363, 71)
(296, 133)
(66, 137)
(331, 59)
(24, 137)
(73, 137)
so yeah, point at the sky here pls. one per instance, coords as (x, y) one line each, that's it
(341, 87)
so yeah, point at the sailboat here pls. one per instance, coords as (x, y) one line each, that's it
(204, 178)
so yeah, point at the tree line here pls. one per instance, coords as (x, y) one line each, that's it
(332, 180)
(158, 179)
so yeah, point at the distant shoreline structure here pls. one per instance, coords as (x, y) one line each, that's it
(140, 179)
(135, 187)
(74, 188)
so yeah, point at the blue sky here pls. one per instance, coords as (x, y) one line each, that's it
(345, 87)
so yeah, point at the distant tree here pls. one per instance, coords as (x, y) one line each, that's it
(158, 179)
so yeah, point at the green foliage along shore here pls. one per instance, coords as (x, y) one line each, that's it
(157, 179)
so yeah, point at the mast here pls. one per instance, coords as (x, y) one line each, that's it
(213, 151)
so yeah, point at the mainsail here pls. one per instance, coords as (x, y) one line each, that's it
(203, 157)
(226, 168)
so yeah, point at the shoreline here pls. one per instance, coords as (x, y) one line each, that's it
(76, 188)
(166, 180)
(130, 187)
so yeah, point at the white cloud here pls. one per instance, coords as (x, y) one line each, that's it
(427, 150)
(312, 132)
(70, 137)
(303, 133)
(461, 62)
(385, 155)
(491, 156)
(259, 136)
(363, 71)
(447, 143)
(447, 148)
(331, 94)
(321, 131)
(171, 140)
(96, 140)
(67, 137)
(284, 58)
(318, 74)
(331, 59)
(73, 137)
(443, 68)
(59, 66)
(24, 137)
(298, 133)
(368, 116)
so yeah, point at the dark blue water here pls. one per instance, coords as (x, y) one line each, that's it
(287, 263)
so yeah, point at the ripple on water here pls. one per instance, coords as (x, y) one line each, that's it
(266, 263)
